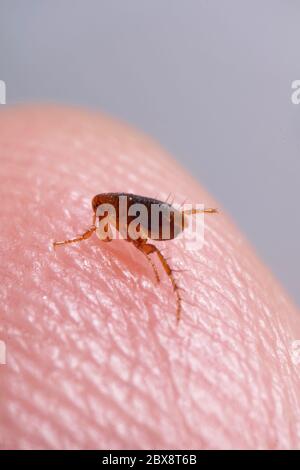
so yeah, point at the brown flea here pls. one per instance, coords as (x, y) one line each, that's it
(145, 229)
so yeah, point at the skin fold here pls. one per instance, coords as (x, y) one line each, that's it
(94, 358)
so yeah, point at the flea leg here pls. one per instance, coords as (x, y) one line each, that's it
(84, 236)
(199, 211)
(139, 245)
(148, 248)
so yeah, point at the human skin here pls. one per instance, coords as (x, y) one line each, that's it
(94, 356)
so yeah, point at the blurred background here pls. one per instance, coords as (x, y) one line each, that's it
(211, 80)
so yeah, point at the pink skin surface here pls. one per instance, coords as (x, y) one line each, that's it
(94, 356)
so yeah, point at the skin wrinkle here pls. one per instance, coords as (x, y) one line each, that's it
(224, 378)
(170, 387)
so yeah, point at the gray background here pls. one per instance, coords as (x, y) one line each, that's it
(211, 80)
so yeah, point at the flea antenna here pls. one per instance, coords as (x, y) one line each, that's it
(169, 195)
(183, 203)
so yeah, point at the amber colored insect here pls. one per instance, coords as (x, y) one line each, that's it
(141, 243)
